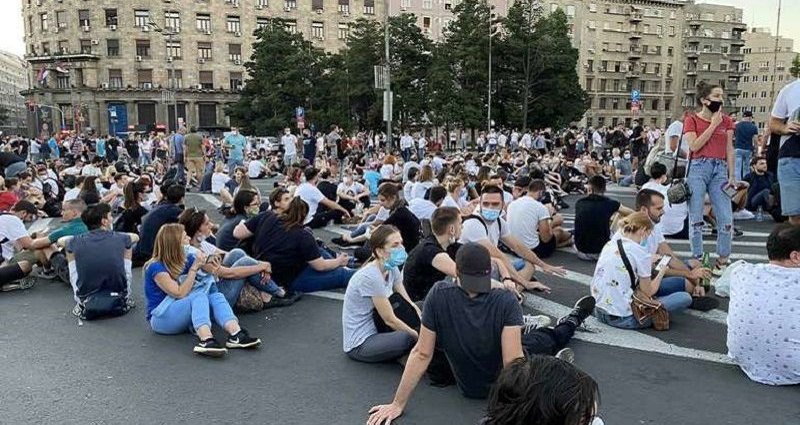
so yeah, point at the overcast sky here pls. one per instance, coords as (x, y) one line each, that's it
(760, 13)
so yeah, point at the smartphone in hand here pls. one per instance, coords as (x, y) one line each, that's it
(730, 191)
(663, 263)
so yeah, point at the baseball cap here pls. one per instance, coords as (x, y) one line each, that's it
(474, 266)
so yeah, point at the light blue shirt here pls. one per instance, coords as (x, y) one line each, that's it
(236, 143)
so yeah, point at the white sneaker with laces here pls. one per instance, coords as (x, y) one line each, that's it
(531, 322)
(743, 214)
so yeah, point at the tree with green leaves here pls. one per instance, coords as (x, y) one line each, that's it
(795, 69)
(410, 56)
(282, 73)
(364, 50)
(540, 63)
(443, 107)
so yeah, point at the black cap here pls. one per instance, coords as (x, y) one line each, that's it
(474, 266)
(523, 182)
(747, 113)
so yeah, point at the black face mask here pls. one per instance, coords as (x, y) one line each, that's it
(714, 106)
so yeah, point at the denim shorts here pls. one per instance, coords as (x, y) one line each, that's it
(789, 179)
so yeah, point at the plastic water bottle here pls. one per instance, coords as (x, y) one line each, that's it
(760, 214)
(706, 264)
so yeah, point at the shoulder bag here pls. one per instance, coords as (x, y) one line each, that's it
(680, 192)
(644, 306)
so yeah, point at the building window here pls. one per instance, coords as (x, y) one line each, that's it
(291, 26)
(63, 46)
(427, 4)
(654, 105)
(203, 22)
(614, 103)
(43, 23)
(175, 77)
(207, 79)
(262, 23)
(589, 82)
(233, 24)
(145, 78)
(174, 50)
(603, 83)
(141, 18)
(112, 47)
(62, 82)
(204, 50)
(344, 31)
(86, 46)
(592, 7)
(61, 19)
(143, 48)
(602, 103)
(723, 67)
(235, 52)
(318, 30)
(84, 18)
(290, 4)
(344, 7)
(236, 81)
(172, 21)
(570, 11)
(369, 7)
(262, 3)
(45, 48)
(115, 78)
(111, 17)
(764, 94)
(405, 3)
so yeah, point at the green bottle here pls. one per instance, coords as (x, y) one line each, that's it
(706, 282)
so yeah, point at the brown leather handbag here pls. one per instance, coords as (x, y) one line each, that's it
(644, 306)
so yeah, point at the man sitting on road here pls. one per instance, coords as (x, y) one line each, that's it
(479, 330)
(593, 219)
(679, 277)
(531, 222)
(44, 247)
(488, 229)
(763, 335)
(423, 208)
(165, 213)
(308, 192)
(100, 260)
(675, 221)
(759, 194)
(17, 261)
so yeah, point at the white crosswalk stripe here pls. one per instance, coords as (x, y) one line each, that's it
(688, 254)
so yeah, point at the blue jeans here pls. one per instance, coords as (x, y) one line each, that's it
(626, 181)
(674, 302)
(760, 199)
(193, 312)
(310, 280)
(233, 163)
(789, 178)
(231, 288)
(709, 176)
(144, 159)
(406, 154)
(743, 157)
(362, 228)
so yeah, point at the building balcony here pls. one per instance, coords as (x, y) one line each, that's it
(736, 41)
(692, 54)
(635, 35)
(691, 72)
(689, 91)
(635, 53)
(633, 74)
(736, 57)
(635, 17)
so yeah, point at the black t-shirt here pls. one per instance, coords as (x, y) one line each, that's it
(419, 275)
(328, 189)
(592, 222)
(8, 158)
(289, 251)
(468, 330)
(132, 146)
(408, 224)
(162, 214)
(225, 239)
(130, 220)
(790, 148)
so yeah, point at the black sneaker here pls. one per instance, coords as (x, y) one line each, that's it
(284, 301)
(583, 309)
(210, 348)
(704, 303)
(242, 340)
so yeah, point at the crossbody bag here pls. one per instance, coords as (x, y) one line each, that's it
(644, 306)
(680, 192)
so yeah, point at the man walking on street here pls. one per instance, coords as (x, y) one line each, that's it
(746, 137)
(178, 153)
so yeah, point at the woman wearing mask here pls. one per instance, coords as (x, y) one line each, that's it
(245, 205)
(457, 196)
(232, 270)
(133, 211)
(181, 298)
(399, 216)
(283, 241)
(352, 193)
(372, 291)
(611, 285)
(709, 134)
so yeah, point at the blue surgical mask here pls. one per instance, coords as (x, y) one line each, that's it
(643, 242)
(397, 257)
(490, 214)
(471, 185)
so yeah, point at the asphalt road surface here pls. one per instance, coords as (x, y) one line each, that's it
(55, 369)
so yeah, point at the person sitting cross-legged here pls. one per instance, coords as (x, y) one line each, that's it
(479, 330)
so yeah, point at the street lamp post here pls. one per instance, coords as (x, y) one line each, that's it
(387, 79)
(489, 103)
(169, 33)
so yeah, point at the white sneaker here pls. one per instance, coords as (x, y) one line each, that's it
(531, 322)
(743, 214)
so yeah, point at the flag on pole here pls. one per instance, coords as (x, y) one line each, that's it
(41, 78)
(62, 68)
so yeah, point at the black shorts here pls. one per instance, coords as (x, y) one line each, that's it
(545, 249)
(10, 273)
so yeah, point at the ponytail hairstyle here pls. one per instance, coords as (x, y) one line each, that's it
(378, 239)
(391, 191)
(635, 222)
(454, 183)
(704, 90)
(295, 214)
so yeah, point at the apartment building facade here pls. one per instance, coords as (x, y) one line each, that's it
(153, 64)
(433, 16)
(765, 72)
(714, 40)
(13, 80)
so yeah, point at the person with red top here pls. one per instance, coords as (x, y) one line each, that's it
(7, 196)
(709, 134)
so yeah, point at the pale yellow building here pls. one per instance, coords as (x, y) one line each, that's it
(761, 72)
(13, 80)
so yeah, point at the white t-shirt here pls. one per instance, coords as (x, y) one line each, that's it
(675, 129)
(289, 143)
(422, 142)
(71, 194)
(254, 168)
(472, 230)
(309, 193)
(526, 141)
(524, 215)
(407, 166)
(421, 208)
(406, 142)
(387, 171)
(674, 214)
(218, 181)
(650, 244)
(611, 284)
(407, 189)
(448, 201)
(419, 189)
(763, 317)
(353, 189)
(11, 229)
(90, 170)
(787, 103)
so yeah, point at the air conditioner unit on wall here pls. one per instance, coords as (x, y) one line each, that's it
(95, 42)
(138, 58)
(201, 61)
(104, 85)
(237, 62)
(112, 27)
(199, 87)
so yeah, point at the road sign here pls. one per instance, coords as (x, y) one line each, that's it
(635, 95)
(381, 74)
(299, 112)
